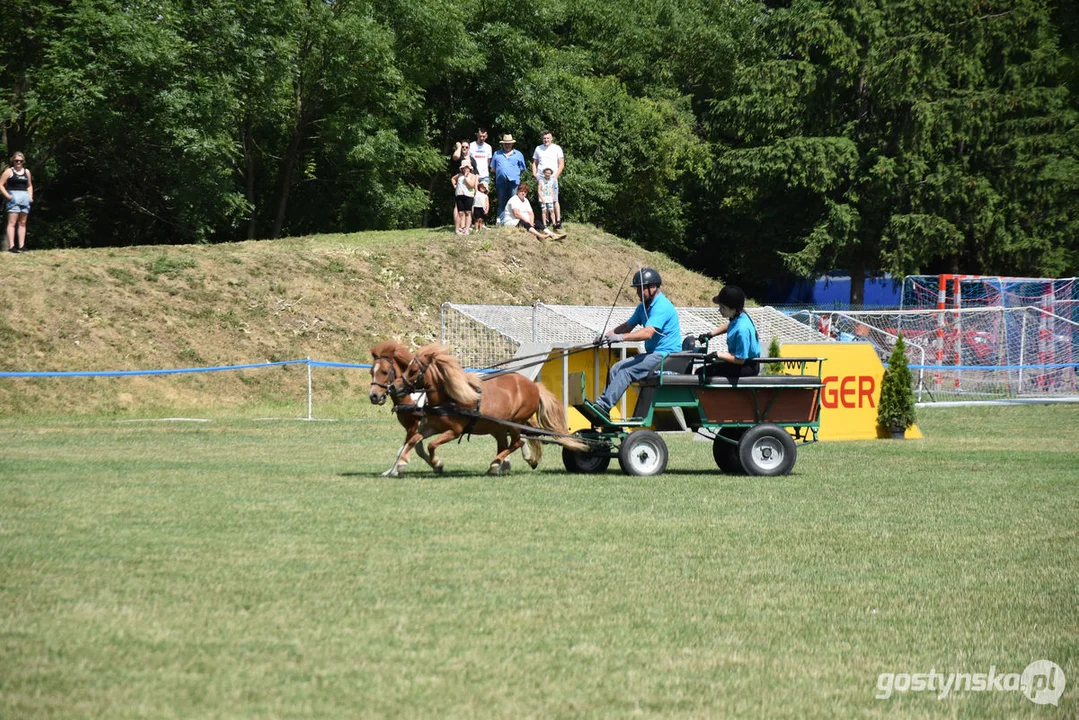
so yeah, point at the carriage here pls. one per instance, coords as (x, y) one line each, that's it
(756, 423)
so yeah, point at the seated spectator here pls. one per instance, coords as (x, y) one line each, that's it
(519, 213)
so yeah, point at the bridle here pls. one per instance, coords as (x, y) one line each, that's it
(406, 387)
(392, 373)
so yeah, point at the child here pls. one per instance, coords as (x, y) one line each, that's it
(480, 203)
(464, 184)
(548, 196)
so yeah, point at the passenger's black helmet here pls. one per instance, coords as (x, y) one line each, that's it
(731, 296)
(645, 277)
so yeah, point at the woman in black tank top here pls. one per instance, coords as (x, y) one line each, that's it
(17, 187)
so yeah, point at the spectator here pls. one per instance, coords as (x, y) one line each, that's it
(549, 155)
(480, 204)
(548, 191)
(461, 152)
(659, 328)
(519, 213)
(17, 187)
(507, 166)
(481, 152)
(743, 342)
(464, 183)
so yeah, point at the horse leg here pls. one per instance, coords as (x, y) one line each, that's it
(500, 465)
(412, 439)
(400, 463)
(507, 446)
(436, 463)
(420, 449)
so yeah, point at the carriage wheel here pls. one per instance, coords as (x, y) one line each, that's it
(643, 453)
(586, 462)
(726, 453)
(767, 450)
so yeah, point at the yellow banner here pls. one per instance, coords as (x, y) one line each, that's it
(852, 375)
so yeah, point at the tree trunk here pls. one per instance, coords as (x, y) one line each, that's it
(249, 178)
(857, 285)
(291, 158)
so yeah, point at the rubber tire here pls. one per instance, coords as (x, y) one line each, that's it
(643, 454)
(585, 462)
(726, 454)
(767, 450)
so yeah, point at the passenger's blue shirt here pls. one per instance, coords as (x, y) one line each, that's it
(742, 339)
(664, 318)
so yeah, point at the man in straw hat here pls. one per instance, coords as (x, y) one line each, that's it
(507, 165)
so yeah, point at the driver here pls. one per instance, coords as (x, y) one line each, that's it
(659, 328)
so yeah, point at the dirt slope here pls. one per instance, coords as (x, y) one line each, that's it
(327, 297)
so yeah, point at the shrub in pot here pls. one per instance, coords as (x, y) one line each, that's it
(895, 411)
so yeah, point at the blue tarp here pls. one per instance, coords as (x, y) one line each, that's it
(832, 291)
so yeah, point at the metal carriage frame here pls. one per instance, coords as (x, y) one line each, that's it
(756, 422)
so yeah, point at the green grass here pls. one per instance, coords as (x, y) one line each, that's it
(239, 568)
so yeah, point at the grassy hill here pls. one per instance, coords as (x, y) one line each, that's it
(328, 297)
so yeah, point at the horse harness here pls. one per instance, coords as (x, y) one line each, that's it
(444, 410)
(392, 372)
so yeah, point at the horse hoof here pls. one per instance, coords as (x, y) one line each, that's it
(438, 469)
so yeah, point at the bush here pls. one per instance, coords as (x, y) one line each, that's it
(773, 352)
(896, 406)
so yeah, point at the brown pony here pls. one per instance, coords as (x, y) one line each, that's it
(389, 359)
(510, 397)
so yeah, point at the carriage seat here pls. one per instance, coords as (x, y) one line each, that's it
(678, 369)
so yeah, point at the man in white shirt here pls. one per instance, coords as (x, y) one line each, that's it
(519, 213)
(549, 155)
(481, 152)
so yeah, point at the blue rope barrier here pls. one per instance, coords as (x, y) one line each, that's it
(171, 371)
(180, 371)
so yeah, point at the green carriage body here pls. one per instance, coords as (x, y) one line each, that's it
(755, 421)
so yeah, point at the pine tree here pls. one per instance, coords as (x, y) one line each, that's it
(896, 406)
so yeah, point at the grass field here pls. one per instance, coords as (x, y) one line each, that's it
(238, 568)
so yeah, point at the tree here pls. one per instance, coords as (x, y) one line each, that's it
(896, 136)
(895, 409)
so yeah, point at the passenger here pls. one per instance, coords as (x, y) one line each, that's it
(743, 341)
(659, 328)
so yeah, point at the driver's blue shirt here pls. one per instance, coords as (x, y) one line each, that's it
(664, 318)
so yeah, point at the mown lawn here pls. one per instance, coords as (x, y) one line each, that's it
(239, 568)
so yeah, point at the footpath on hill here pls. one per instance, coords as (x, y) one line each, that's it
(327, 297)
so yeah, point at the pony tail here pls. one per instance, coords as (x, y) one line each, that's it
(552, 416)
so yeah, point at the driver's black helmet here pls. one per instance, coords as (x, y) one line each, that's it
(645, 277)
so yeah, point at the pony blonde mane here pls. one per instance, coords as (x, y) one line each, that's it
(446, 373)
(392, 349)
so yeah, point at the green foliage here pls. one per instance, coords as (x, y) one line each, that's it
(773, 352)
(749, 139)
(896, 406)
(900, 136)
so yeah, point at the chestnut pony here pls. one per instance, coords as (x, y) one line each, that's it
(389, 359)
(509, 397)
